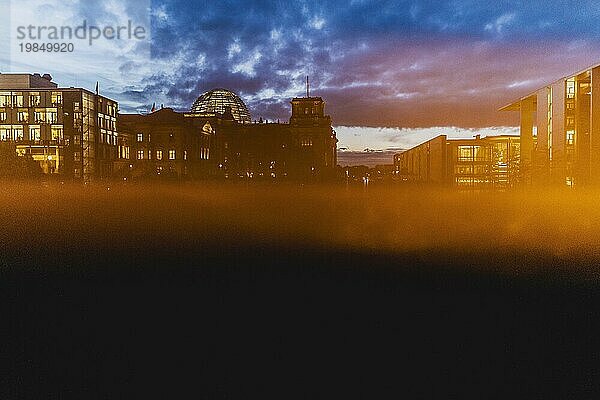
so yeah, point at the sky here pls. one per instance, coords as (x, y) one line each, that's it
(392, 73)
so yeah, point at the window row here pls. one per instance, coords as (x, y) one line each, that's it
(108, 138)
(306, 142)
(141, 154)
(105, 122)
(471, 153)
(49, 115)
(8, 99)
(16, 132)
(111, 110)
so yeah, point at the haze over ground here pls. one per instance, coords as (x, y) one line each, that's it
(253, 291)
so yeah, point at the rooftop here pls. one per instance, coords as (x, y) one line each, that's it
(26, 81)
(515, 105)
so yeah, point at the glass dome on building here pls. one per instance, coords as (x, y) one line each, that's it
(217, 100)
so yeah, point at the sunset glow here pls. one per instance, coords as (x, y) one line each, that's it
(378, 64)
(308, 199)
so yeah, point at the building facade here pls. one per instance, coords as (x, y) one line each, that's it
(73, 133)
(163, 144)
(560, 130)
(303, 149)
(70, 132)
(217, 139)
(489, 162)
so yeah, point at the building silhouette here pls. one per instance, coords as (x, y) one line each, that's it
(217, 140)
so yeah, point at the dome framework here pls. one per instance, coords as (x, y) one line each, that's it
(216, 101)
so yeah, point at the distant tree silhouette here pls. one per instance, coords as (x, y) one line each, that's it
(13, 166)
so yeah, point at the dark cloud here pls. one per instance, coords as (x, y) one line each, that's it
(377, 63)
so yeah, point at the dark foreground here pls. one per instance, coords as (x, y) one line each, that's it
(98, 302)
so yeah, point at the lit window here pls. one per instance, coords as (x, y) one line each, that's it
(17, 132)
(39, 116)
(171, 154)
(5, 132)
(124, 152)
(159, 155)
(17, 100)
(22, 116)
(57, 132)
(570, 181)
(571, 88)
(465, 153)
(140, 154)
(570, 137)
(34, 132)
(306, 142)
(5, 99)
(51, 115)
(56, 98)
(34, 100)
(185, 154)
(140, 137)
(479, 153)
(2, 116)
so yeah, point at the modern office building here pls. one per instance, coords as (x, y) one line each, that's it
(217, 139)
(560, 130)
(489, 162)
(70, 131)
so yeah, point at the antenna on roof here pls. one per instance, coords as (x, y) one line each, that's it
(307, 87)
